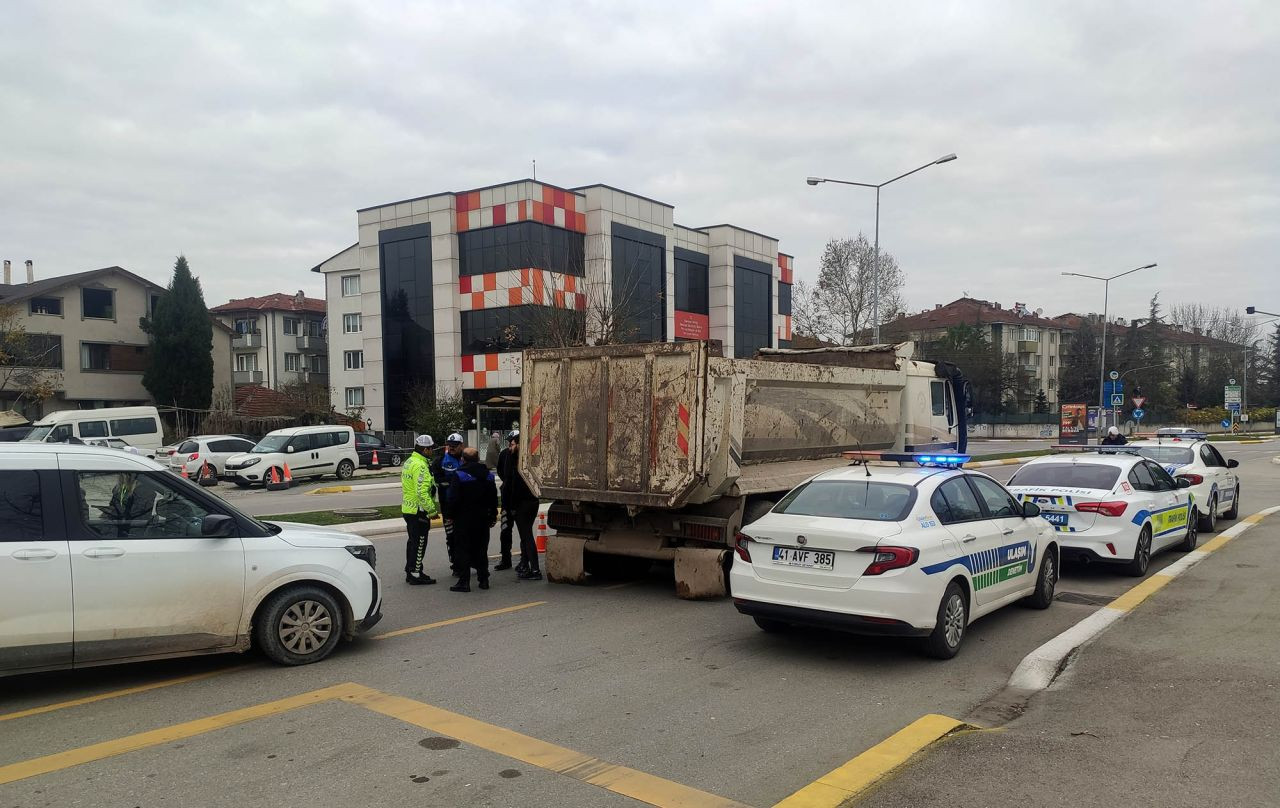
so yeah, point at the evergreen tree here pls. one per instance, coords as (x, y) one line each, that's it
(1273, 372)
(1042, 403)
(1079, 377)
(180, 368)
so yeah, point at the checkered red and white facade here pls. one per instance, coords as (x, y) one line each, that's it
(353, 279)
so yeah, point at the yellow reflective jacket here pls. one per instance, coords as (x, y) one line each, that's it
(415, 484)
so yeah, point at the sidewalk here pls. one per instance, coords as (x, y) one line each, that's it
(1176, 705)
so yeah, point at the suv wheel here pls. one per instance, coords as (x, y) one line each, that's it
(299, 625)
(346, 470)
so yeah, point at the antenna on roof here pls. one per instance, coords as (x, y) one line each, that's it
(862, 458)
(535, 169)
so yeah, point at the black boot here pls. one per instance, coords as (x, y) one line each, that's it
(418, 580)
(484, 583)
(530, 575)
(461, 586)
(504, 564)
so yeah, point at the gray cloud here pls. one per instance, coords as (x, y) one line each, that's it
(1092, 137)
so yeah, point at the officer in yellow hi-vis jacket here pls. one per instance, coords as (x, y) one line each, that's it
(417, 506)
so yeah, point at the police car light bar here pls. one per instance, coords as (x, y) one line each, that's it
(945, 460)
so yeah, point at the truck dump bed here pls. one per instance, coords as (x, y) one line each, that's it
(662, 425)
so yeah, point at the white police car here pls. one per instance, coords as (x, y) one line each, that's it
(902, 551)
(1214, 485)
(1110, 504)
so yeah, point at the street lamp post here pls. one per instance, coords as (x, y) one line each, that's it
(1106, 300)
(875, 261)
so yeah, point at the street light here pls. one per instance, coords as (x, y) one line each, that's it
(875, 263)
(1252, 310)
(1106, 299)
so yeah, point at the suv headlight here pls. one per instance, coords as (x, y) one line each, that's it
(364, 552)
(253, 461)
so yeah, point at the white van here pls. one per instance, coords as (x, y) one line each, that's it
(137, 426)
(309, 451)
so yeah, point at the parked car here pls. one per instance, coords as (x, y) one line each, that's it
(110, 558)
(10, 434)
(118, 444)
(308, 451)
(905, 552)
(194, 453)
(388, 455)
(137, 426)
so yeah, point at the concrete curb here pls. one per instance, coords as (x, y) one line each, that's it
(1039, 668)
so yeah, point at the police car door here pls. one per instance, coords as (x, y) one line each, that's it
(1169, 522)
(958, 508)
(1017, 538)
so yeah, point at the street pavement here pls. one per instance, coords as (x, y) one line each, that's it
(539, 694)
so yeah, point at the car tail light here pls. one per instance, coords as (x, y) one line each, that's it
(740, 546)
(193, 456)
(1104, 508)
(889, 558)
(1195, 479)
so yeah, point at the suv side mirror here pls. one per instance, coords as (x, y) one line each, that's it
(1030, 510)
(216, 525)
(1232, 463)
(289, 449)
(1183, 482)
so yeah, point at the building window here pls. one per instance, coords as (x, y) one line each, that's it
(691, 281)
(246, 325)
(246, 361)
(355, 397)
(752, 306)
(1053, 383)
(408, 318)
(350, 285)
(784, 298)
(291, 326)
(1053, 337)
(315, 328)
(1031, 334)
(293, 362)
(639, 283)
(31, 350)
(354, 360)
(351, 324)
(46, 305)
(520, 245)
(98, 304)
(105, 356)
(319, 364)
(514, 328)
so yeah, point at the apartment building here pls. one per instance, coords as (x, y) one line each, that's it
(82, 336)
(445, 290)
(1028, 340)
(277, 339)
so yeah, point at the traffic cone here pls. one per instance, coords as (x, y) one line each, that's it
(374, 462)
(185, 476)
(288, 476)
(273, 480)
(207, 477)
(540, 532)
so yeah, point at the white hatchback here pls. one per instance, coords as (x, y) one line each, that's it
(205, 454)
(107, 557)
(916, 552)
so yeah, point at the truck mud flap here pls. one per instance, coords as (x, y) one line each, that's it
(564, 560)
(700, 573)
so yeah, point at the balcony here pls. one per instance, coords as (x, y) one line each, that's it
(246, 377)
(252, 339)
(1030, 370)
(313, 345)
(1030, 346)
(315, 376)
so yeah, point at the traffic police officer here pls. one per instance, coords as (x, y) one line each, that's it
(417, 506)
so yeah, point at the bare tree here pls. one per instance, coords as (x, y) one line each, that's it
(1219, 322)
(30, 364)
(843, 305)
(807, 314)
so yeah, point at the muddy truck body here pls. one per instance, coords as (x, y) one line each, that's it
(662, 451)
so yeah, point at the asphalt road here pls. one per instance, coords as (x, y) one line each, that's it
(539, 694)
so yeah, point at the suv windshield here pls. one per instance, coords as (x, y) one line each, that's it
(849, 499)
(1068, 475)
(1174, 455)
(271, 443)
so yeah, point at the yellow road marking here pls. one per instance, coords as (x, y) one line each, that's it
(1141, 592)
(414, 629)
(619, 779)
(176, 732)
(330, 489)
(847, 781)
(128, 691)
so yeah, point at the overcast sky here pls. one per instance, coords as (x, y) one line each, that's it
(1092, 137)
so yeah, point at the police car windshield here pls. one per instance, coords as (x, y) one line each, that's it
(1166, 454)
(849, 499)
(1068, 475)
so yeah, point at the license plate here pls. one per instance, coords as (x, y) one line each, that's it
(810, 559)
(1055, 518)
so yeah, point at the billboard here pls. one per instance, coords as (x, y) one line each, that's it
(1073, 424)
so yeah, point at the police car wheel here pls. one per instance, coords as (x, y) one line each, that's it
(953, 621)
(1141, 554)
(1193, 533)
(1235, 506)
(1209, 519)
(1046, 583)
(345, 470)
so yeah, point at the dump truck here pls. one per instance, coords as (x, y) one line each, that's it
(662, 451)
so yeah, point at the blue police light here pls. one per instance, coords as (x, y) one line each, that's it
(946, 461)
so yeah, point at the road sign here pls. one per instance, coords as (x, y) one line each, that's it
(1138, 401)
(1226, 422)
(1231, 382)
(1233, 406)
(1111, 388)
(1138, 413)
(1117, 399)
(1115, 374)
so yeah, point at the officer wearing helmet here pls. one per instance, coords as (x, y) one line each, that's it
(519, 509)
(444, 470)
(418, 506)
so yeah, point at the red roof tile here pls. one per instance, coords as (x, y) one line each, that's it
(254, 401)
(967, 311)
(276, 302)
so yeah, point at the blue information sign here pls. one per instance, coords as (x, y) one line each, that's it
(1117, 399)
(1113, 388)
(1226, 422)
(1137, 414)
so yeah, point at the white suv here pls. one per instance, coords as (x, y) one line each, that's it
(107, 557)
(307, 451)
